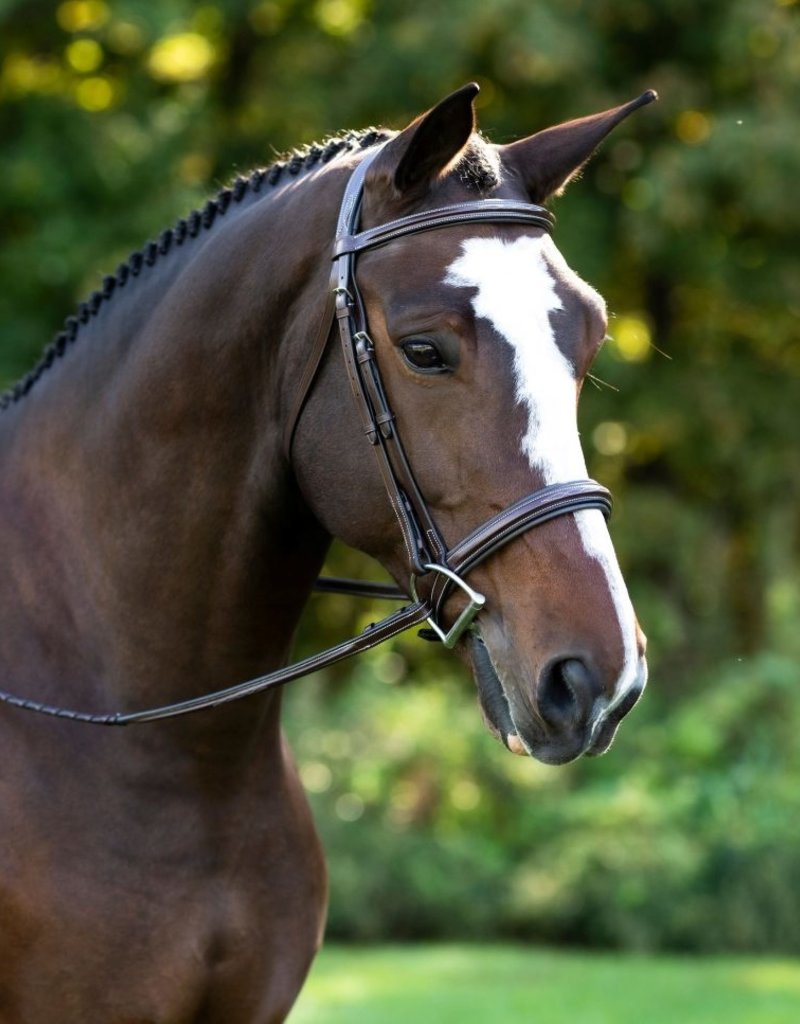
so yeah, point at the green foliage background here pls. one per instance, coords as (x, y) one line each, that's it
(116, 117)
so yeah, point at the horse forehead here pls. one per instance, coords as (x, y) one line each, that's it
(521, 278)
(518, 287)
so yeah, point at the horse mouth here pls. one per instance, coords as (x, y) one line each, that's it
(554, 750)
(498, 715)
(493, 701)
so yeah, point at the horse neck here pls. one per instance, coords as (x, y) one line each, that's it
(156, 545)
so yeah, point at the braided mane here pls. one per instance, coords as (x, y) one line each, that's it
(474, 169)
(303, 159)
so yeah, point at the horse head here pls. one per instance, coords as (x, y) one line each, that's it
(484, 336)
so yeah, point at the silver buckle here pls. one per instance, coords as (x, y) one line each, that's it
(464, 621)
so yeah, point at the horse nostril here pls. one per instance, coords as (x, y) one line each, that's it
(566, 693)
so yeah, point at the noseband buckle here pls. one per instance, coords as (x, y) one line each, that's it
(464, 621)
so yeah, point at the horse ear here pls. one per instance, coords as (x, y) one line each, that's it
(547, 161)
(430, 145)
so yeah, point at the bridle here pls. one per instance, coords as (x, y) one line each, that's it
(426, 551)
(429, 559)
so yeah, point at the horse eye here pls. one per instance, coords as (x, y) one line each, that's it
(422, 354)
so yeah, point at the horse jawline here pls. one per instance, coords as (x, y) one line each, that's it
(491, 695)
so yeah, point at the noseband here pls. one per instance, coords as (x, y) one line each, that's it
(433, 567)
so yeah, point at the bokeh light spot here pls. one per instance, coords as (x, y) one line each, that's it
(208, 19)
(316, 776)
(95, 94)
(185, 57)
(465, 795)
(82, 15)
(266, 18)
(692, 127)
(349, 807)
(84, 55)
(339, 17)
(390, 667)
(630, 339)
(23, 74)
(125, 37)
(337, 744)
(610, 438)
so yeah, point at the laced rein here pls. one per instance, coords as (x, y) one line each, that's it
(427, 553)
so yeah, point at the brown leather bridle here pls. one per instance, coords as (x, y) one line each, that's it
(433, 566)
(426, 551)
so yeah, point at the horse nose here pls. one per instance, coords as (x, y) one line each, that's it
(566, 694)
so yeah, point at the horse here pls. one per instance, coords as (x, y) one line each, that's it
(171, 475)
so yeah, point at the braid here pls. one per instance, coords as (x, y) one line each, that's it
(190, 227)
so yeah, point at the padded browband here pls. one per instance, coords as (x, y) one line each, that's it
(494, 211)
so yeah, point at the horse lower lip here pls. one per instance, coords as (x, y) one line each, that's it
(515, 745)
(490, 693)
(498, 715)
(605, 734)
(602, 740)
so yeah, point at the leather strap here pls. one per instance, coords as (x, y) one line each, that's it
(479, 211)
(399, 622)
(421, 537)
(359, 588)
(426, 550)
(534, 509)
(349, 205)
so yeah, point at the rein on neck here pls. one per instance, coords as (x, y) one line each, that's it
(434, 569)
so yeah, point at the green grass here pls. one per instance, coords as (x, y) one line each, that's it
(461, 984)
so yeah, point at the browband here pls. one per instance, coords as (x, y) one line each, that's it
(486, 211)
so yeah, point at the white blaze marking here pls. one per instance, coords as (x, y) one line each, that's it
(597, 544)
(516, 293)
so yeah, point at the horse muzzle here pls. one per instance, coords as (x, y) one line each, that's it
(570, 717)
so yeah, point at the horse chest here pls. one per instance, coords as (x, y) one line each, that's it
(167, 972)
(128, 925)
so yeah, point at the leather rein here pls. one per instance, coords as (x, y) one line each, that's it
(442, 568)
